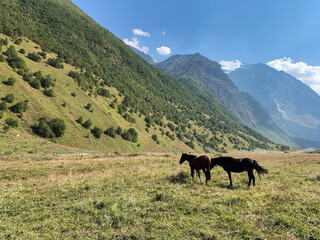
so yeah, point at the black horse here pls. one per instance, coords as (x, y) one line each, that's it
(197, 163)
(230, 164)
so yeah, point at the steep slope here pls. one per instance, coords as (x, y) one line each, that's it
(205, 77)
(292, 104)
(123, 88)
(146, 57)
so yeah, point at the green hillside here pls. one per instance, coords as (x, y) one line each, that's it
(104, 81)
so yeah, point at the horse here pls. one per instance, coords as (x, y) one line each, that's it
(230, 164)
(197, 163)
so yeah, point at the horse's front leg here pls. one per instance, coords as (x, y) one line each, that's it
(251, 177)
(229, 174)
(206, 174)
(192, 173)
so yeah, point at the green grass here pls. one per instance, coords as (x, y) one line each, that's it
(153, 197)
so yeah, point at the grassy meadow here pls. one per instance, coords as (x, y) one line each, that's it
(151, 196)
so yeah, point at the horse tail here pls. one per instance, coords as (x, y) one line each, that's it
(259, 169)
(208, 166)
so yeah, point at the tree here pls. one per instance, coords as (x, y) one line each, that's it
(3, 106)
(110, 132)
(87, 124)
(20, 107)
(9, 98)
(96, 131)
(34, 56)
(12, 122)
(11, 81)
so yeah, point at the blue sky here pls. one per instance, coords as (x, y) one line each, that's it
(252, 31)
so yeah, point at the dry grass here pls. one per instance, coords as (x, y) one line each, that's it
(151, 196)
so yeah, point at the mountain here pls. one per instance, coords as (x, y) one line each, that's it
(205, 77)
(293, 105)
(146, 57)
(72, 82)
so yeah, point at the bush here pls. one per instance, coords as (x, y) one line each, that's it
(110, 132)
(35, 84)
(88, 106)
(103, 92)
(28, 78)
(130, 135)
(1, 114)
(87, 124)
(18, 41)
(80, 120)
(34, 56)
(12, 122)
(119, 130)
(9, 98)
(55, 62)
(47, 81)
(3, 106)
(22, 51)
(11, 81)
(50, 128)
(49, 92)
(64, 104)
(20, 107)
(154, 137)
(2, 58)
(96, 131)
(43, 54)
(73, 94)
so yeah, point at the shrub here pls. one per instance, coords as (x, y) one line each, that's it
(49, 92)
(58, 126)
(35, 84)
(154, 137)
(55, 62)
(12, 122)
(47, 81)
(11, 81)
(22, 51)
(43, 54)
(28, 77)
(9, 98)
(119, 130)
(50, 128)
(34, 56)
(103, 92)
(64, 104)
(20, 107)
(130, 135)
(3, 106)
(73, 94)
(2, 58)
(88, 106)
(87, 124)
(80, 120)
(18, 41)
(1, 114)
(110, 132)
(96, 131)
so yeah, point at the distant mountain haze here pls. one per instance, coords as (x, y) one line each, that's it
(196, 70)
(294, 106)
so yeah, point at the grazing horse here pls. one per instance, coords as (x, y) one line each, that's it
(197, 163)
(230, 164)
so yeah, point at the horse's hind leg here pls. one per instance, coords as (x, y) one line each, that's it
(198, 172)
(251, 177)
(229, 174)
(206, 174)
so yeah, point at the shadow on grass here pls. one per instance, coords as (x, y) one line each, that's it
(226, 186)
(181, 177)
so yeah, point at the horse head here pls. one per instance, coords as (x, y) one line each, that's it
(183, 158)
(213, 162)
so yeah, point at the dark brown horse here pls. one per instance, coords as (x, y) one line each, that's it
(230, 164)
(197, 163)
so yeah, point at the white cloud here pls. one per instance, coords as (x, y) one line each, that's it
(135, 43)
(308, 74)
(164, 33)
(139, 32)
(163, 50)
(229, 66)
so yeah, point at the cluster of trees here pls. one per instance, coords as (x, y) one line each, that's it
(50, 128)
(38, 81)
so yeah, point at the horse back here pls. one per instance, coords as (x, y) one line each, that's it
(200, 162)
